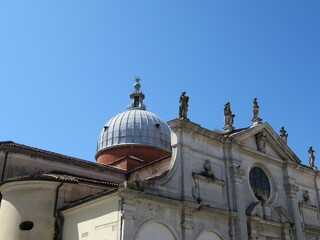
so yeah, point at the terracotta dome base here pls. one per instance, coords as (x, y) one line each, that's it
(129, 156)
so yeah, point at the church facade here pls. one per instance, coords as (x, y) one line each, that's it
(157, 180)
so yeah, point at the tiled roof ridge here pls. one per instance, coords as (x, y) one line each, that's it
(56, 155)
(88, 198)
(61, 176)
(81, 178)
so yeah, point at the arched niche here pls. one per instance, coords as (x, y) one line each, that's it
(155, 231)
(208, 235)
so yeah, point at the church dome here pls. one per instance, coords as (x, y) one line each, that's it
(135, 126)
(134, 137)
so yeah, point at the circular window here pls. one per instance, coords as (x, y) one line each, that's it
(259, 183)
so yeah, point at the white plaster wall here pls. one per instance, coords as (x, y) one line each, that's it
(27, 201)
(95, 220)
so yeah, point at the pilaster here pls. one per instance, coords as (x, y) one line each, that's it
(293, 208)
(128, 210)
(237, 176)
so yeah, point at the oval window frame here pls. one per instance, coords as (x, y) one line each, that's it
(26, 225)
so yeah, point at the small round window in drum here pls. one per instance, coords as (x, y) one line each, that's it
(26, 225)
(259, 183)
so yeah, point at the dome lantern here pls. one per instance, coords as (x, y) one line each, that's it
(137, 96)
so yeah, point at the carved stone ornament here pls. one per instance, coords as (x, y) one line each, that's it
(237, 172)
(306, 200)
(208, 170)
(291, 189)
(205, 174)
(265, 211)
(261, 139)
(271, 214)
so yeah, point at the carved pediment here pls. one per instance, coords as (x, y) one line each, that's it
(262, 139)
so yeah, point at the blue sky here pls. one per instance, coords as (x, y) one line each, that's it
(66, 67)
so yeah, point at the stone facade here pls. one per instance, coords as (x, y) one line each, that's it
(237, 185)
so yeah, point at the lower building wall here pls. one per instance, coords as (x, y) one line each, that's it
(27, 209)
(95, 220)
(157, 219)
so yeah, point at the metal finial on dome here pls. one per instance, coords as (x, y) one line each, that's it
(137, 96)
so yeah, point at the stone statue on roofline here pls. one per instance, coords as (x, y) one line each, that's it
(311, 157)
(255, 119)
(283, 134)
(183, 107)
(228, 118)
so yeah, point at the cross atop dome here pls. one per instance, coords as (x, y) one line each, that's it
(137, 96)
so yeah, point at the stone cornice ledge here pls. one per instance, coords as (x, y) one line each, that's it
(193, 127)
(312, 228)
(144, 197)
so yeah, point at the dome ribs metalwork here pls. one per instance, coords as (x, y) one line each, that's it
(135, 126)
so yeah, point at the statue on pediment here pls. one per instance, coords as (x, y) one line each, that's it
(283, 134)
(228, 118)
(183, 108)
(255, 118)
(311, 157)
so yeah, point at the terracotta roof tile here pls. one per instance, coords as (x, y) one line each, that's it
(62, 177)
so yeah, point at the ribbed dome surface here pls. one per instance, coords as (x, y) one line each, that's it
(135, 126)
